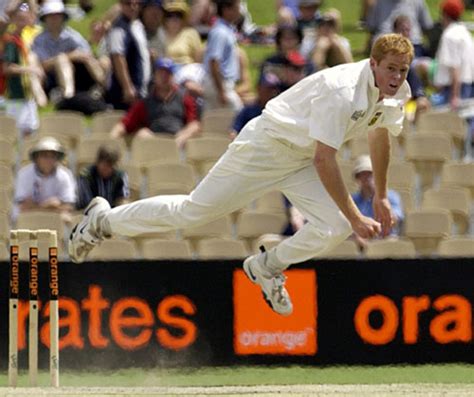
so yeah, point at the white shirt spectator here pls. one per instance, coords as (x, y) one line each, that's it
(456, 50)
(32, 184)
(309, 106)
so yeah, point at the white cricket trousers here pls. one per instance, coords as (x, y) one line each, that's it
(254, 164)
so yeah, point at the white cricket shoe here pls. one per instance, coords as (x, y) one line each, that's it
(273, 286)
(85, 235)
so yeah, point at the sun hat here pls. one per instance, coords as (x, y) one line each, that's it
(362, 164)
(53, 7)
(47, 144)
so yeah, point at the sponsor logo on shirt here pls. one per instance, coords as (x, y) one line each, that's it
(374, 119)
(358, 114)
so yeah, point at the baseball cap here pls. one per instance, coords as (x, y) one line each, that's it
(362, 164)
(53, 7)
(165, 63)
(453, 8)
(294, 58)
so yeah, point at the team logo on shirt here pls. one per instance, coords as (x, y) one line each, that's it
(358, 114)
(374, 119)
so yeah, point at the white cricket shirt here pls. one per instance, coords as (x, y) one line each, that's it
(333, 106)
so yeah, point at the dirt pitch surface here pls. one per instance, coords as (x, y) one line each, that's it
(425, 390)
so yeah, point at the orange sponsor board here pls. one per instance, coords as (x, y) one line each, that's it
(259, 330)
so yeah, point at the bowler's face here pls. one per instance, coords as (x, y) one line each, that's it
(390, 73)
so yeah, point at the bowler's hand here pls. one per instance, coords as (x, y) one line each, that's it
(366, 227)
(383, 214)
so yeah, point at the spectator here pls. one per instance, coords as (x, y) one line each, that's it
(182, 43)
(402, 25)
(64, 54)
(221, 59)
(268, 88)
(288, 39)
(308, 22)
(103, 179)
(454, 73)
(383, 13)
(287, 12)
(22, 76)
(45, 184)
(167, 110)
(309, 15)
(363, 198)
(152, 18)
(330, 47)
(128, 49)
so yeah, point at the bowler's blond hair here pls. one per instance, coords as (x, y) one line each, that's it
(391, 43)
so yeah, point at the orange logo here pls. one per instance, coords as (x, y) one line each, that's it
(259, 330)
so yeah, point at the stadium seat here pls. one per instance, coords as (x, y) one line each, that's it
(7, 153)
(253, 224)
(170, 179)
(221, 248)
(346, 250)
(114, 250)
(200, 151)
(428, 152)
(103, 122)
(359, 146)
(70, 125)
(4, 252)
(457, 247)
(390, 248)
(6, 178)
(449, 123)
(221, 227)
(6, 201)
(401, 175)
(426, 228)
(272, 203)
(458, 174)
(4, 227)
(217, 122)
(88, 146)
(154, 150)
(268, 241)
(9, 132)
(456, 200)
(166, 249)
(408, 199)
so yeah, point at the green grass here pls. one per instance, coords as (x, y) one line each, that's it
(250, 376)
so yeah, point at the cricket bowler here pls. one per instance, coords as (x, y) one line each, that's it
(291, 148)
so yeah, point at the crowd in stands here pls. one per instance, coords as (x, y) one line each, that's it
(177, 70)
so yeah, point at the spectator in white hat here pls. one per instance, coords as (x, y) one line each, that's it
(64, 54)
(363, 198)
(45, 184)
